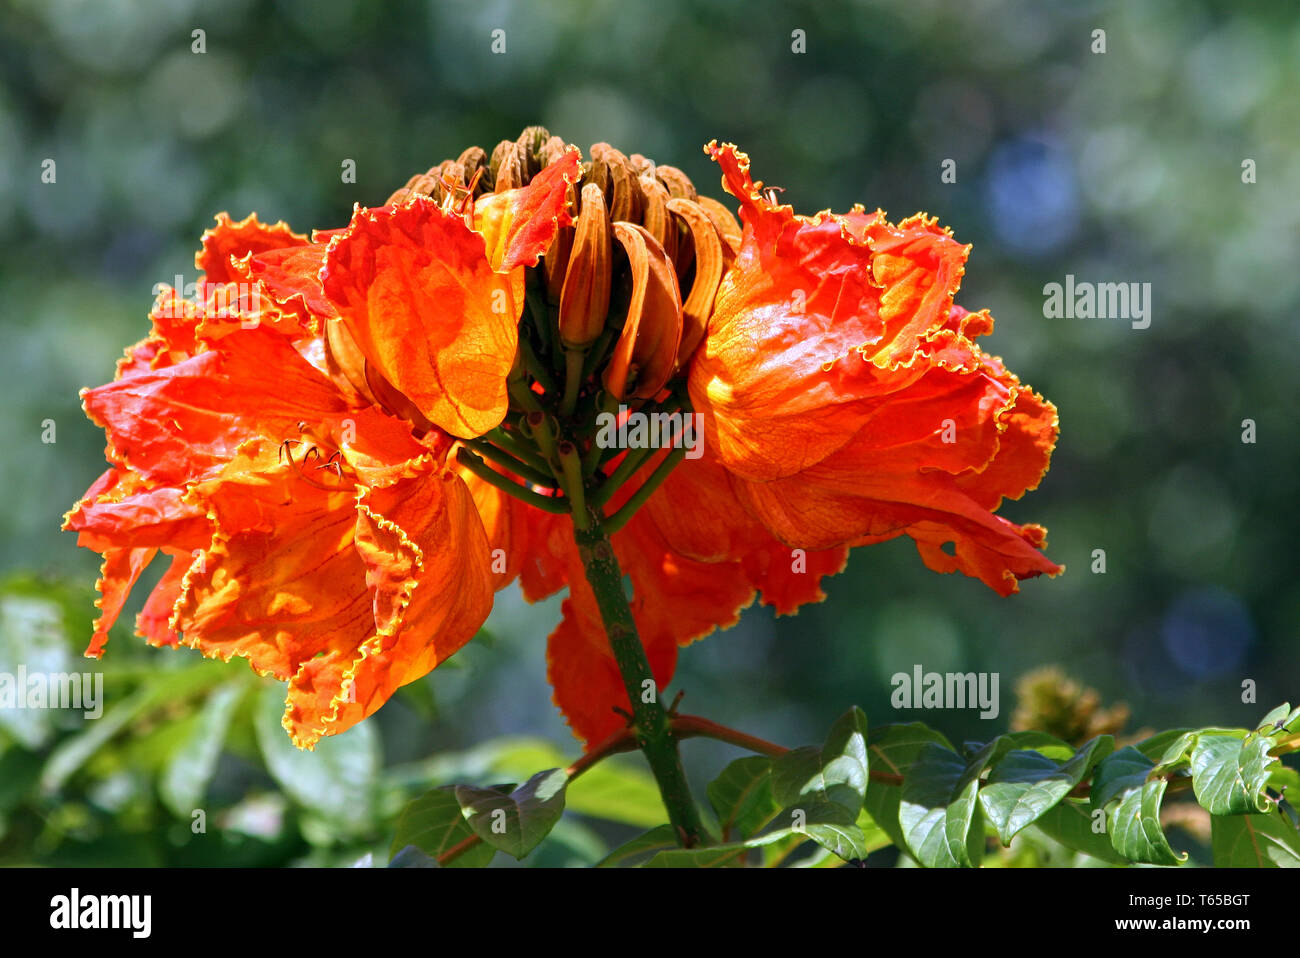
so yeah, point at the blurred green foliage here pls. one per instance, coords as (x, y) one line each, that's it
(1117, 167)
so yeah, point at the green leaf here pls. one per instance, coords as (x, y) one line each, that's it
(1070, 823)
(434, 824)
(836, 773)
(1135, 830)
(893, 749)
(742, 797)
(657, 839)
(1230, 774)
(1177, 753)
(618, 789)
(939, 809)
(1277, 718)
(185, 782)
(1026, 784)
(838, 834)
(517, 822)
(1041, 742)
(826, 824)
(1155, 746)
(1269, 840)
(1118, 772)
(336, 781)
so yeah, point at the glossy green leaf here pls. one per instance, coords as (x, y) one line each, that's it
(826, 824)
(1026, 784)
(1230, 773)
(517, 822)
(1135, 830)
(742, 797)
(1117, 773)
(939, 809)
(836, 773)
(1155, 746)
(657, 839)
(1072, 824)
(1041, 742)
(435, 824)
(1269, 840)
(893, 749)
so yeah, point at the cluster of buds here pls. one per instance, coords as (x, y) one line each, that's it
(613, 310)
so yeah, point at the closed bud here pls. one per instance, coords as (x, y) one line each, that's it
(645, 356)
(584, 299)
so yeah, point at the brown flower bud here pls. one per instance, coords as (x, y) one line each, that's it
(726, 224)
(655, 217)
(584, 299)
(678, 183)
(709, 264)
(645, 355)
(471, 161)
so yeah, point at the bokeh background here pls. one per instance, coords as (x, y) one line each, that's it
(1122, 166)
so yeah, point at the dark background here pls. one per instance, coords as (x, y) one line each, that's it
(1123, 166)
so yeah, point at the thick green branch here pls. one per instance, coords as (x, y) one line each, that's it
(650, 721)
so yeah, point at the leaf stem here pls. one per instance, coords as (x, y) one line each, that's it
(695, 726)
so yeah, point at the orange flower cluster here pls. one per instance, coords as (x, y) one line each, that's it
(302, 440)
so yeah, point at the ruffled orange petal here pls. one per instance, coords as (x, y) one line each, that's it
(697, 513)
(236, 240)
(815, 315)
(186, 421)
(291, 277)
(118, 574)
(280, 581)
(519, 225)
(153, 624)
(425, 554)
(414, 285)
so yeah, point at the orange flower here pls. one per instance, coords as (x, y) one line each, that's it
(313, 528)
(845, 397)
(288, 438)
(845, 402)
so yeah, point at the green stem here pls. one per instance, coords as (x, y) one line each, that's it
(572, 379)
(520, 469)
(534, 367)
(512, 444)
(628, 509)
(571, 469)
(474, 464)
(523, 397)
(650, 721)
(634, 460)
